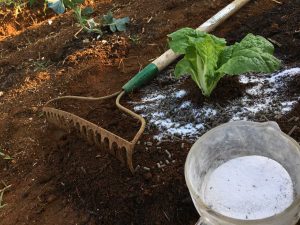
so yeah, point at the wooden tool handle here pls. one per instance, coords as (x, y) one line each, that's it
(159, 64)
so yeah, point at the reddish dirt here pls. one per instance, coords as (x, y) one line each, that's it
(58, 178)
(14, 20)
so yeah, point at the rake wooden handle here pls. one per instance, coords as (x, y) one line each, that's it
(159, 64)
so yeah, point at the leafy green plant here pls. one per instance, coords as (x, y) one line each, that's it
(207, 58)
(5, 156)
(83, 16)
(18, 5)
(115, 24)
(135, 39)
(32, 2)
(40, 65)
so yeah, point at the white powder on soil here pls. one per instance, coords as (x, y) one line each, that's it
(250, 187)
(169, 111)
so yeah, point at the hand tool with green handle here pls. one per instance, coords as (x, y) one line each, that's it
(114, 144)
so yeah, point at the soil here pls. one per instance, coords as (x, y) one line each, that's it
(57, 178)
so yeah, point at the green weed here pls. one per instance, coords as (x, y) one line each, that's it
(5, 156)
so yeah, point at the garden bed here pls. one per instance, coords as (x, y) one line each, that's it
(58, 178)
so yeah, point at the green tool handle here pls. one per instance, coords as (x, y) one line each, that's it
(149, 72)
(141, 78)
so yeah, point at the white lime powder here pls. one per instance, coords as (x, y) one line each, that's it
(250, 187)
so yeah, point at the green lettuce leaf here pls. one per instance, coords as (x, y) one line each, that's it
(207, 58)
(257, 41)
(183, 38)
(252, 54)
(180, 40)
(200, 61)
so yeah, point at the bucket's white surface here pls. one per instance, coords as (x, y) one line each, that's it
(248, 188)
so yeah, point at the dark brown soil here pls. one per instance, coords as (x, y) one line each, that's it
(58, 178)
(280, 25)
(228, 89)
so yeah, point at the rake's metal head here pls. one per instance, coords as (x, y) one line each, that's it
(104, 139)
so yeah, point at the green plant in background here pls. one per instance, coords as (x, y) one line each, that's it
(40, 65)
(135, 39)
(207, 58)
(113, 23)
(18, 5)
(83, 16)
(32, 2)
(5, 156)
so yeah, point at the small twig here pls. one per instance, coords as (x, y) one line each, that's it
(75, 35)
(166, 215)
(121, 62)
(177, 138)
(146, 168)
(291, 119)
(275, 42)
(5, 188)
(230, 102)
(17, 22)
(34, 21)
(1, 196)
(292, 130)
(169, 154)
(5, 185)
(141, 67)
(278, 2)
(149, 20)
(137, 168)
(65, 60)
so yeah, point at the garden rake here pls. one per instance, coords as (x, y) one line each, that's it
(119, 147)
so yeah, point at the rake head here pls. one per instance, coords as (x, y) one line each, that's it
(95, 135)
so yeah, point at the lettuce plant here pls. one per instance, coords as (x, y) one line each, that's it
(207, 58)
(91, 25)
